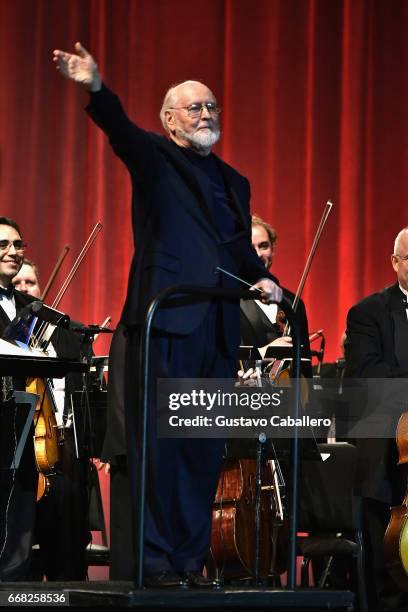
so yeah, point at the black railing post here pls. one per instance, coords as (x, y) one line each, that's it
(137, 472)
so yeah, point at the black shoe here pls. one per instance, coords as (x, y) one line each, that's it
(196, 580)
(165, 580)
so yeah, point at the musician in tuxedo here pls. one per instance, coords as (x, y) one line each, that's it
(258, 321)
(376, 347)
(61, 526)
(190, 214)
(19, 486)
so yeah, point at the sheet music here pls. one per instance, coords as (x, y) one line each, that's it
(9, 348)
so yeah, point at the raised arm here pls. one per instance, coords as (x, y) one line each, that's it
(79, 67)
(128, 141)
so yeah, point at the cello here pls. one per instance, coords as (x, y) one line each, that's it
(396, 535)
(233, 538)
(247, 531)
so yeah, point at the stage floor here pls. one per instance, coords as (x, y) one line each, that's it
(124, 595)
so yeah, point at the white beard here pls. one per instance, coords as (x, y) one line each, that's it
(202, 140)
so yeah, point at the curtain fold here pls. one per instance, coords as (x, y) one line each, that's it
(314, 97)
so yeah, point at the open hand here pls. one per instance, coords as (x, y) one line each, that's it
(80, 67)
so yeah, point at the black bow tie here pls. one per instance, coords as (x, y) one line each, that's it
(7, 291)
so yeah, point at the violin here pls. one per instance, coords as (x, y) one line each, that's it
(396, 535)
(48, 436)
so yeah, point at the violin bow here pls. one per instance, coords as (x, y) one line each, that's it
(319, 231)
(43, 328)
(104, 325)
(54, 272)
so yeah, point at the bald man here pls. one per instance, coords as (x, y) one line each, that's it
(376, 346)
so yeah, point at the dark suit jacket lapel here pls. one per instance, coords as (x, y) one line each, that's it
(198, 184)
(257, 318)
(20, 299)
(394, 297)
(232, 194)
(398, 318)
(4, 320)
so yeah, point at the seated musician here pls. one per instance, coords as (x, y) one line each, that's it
(259, 327)
(61, 525)
(376, 346)
(19, 486)
(259, 321)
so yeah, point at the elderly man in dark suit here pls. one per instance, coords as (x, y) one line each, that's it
(190, 217)
(376, 346)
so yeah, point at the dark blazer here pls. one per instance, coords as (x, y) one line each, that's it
(176, 239)
(21, 300)
(257, 330)
(370, 352)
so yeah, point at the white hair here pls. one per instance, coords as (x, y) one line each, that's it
(170, 99)
(398, 239)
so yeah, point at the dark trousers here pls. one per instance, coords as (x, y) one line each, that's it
(17, 516)
(122, 539)
(61, 528)
(182, 473)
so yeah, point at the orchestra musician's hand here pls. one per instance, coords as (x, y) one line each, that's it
(79, 67)
(251, 377)
(271, 292)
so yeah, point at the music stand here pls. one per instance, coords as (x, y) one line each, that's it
(90, 419)
(16, 416)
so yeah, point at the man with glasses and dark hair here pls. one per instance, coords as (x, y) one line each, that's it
(18, 487)
(190, 217)
(63, 554)
(376, 346)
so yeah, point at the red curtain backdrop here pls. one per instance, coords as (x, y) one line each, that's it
(314, 97)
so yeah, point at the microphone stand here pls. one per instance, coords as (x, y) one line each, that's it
(88, 336)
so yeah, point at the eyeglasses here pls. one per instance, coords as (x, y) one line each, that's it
(195, 110)
(401, 257)
(19, 245)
